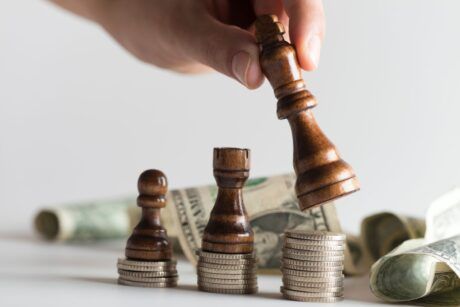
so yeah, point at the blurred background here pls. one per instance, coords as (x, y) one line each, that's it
(80, 118)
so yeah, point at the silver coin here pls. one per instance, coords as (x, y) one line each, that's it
(311, 263)
(314, 290)
(315, 242)
(146, 263)
(248, 261)
(227, 281)
(222, 286)
(122, 281)
(307, 284)
(309, 294)
(312, 299)
(227, 276)
(228, 291)
(150, 280)
(166, 268)
(289, 272)
(317, 252)
(305, 247)
(229, 272)
(308, 253)
(290, 254)
(307, 268)
(202, 253)
(311, 279)
(148, 274)
(315, 235)
(225, 267)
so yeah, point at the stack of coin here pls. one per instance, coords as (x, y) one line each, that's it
(312, 266)
(151, 274)
(227, 273)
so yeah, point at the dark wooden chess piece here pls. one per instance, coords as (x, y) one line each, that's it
(149, 240)
(321, 174)
(228, 230)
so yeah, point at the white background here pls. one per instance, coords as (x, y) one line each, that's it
(80, 118)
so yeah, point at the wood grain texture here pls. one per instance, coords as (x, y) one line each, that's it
(149, 240)
(322, 175)
(228, 229)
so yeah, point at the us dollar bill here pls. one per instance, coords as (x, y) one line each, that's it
(415, 270)
(427, 270)
(94, 220)
(270, 202)
(272, 208)
(382, 232)
(443, 216)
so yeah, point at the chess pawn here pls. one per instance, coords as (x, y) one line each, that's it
(321, 174)
(149, 240)
(228, 229)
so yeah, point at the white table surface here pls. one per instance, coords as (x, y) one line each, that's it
(36, 273)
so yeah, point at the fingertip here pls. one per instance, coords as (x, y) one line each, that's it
(255, 77)
(246, 69)
(307, 29)
(309, 51)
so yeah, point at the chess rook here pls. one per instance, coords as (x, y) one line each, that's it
(227, 263)
(228, 230)
(148, 251)
(149, 239)
(321, 174)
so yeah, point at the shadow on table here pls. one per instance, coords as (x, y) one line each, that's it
(357, 289)
(18, 237)
(55, 277)
(99, 280)
(107, 245)
(269, 295)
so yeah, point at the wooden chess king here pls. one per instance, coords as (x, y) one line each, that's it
(321, 174)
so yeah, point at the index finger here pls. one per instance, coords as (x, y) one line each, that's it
(306, 30)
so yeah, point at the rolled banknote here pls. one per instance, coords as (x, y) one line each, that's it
(415, 270)
(382, 232)
(88, 220)
(270, 202)
(427, 270)
(443, 217)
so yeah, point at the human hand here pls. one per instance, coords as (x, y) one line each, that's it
(194, 35)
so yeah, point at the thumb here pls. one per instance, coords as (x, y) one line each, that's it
(227, 49)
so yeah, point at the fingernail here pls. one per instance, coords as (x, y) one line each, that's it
(314, 49)
(240, 66)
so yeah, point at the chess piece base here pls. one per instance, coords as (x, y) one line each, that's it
(328, 193)
(148, 255)
(228, 248)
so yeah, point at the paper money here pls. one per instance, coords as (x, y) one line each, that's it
(272, 207)
(427, 269)
(383, 232)
(271, 204)
(88, 221)
(443, 217)
(414, 270)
